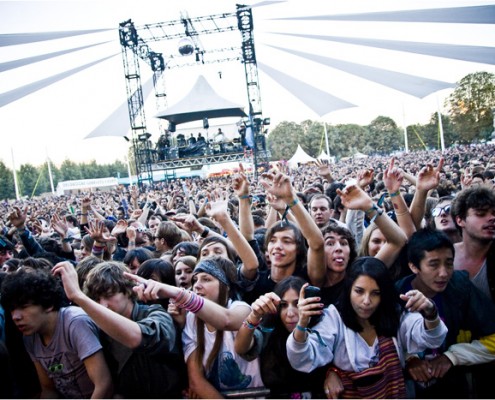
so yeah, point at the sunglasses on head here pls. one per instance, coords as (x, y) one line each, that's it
(438, 210)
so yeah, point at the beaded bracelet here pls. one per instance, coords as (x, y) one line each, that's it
(394, 194)
(246, 323)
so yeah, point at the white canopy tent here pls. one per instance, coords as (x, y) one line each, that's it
(300, 157)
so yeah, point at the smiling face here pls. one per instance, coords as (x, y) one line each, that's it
(289, 314)
(282, 249)
(206, 285)
(436, 269)
(365, 297)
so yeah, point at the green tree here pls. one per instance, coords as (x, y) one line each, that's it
(471, 104)
(27, 177)
(282, 141)
(348, 139)
(384, 136)
(70, 171)
(7, 187)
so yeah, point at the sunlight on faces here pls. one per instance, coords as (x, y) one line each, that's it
(183, 275)
(289, 314)
(436, 269)
(365, 297)
(207, 286)
(337, 252)
(377, 240)
(282, 249)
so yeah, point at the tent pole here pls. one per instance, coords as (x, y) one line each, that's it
(326, 138)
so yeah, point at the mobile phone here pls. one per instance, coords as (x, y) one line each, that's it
(312, 291)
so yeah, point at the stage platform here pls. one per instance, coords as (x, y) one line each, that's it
(199, 161)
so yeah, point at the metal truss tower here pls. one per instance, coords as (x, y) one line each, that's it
(135, 46)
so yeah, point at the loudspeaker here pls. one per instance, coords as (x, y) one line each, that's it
(206, 125)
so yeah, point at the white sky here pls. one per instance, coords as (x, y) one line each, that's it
(56, 119)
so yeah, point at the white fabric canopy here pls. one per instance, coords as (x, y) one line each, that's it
(300, 157)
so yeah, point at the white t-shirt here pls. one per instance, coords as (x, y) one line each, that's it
(230, 371)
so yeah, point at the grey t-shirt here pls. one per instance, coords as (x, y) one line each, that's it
(480, 280)
(75, 339)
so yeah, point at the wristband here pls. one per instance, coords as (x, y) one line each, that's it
(248, 324)
(394, 194)
(301, 328)
(374, 207)
(293, 203)
(67, 240)
(245, 196)
(205, 232)
(379, 212)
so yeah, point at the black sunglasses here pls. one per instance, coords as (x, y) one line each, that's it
(438, 210)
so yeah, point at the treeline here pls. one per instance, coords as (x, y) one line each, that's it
(35, 180)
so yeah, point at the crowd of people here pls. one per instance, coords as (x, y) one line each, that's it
(365, 278)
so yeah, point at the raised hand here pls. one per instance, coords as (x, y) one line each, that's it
(188, 222)
(322, 168)
(120, 227)
(278, 184)
(18, 217)
(393, 177)
(59, 225)
(355, 198)
(429, 177)
(69, 279)
(218, 208)
(99, 232)
(240, 183)
(365, 177)
(275, 202)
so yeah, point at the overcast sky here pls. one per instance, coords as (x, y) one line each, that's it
(56, 119)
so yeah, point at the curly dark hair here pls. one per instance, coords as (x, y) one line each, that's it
(37, 287)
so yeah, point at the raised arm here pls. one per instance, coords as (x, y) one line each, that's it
(122, 329)
(393, 177)
(355, 198)
(427, 179)
(221, 318)
(218, 210)
(240, 184)
(279, 185)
